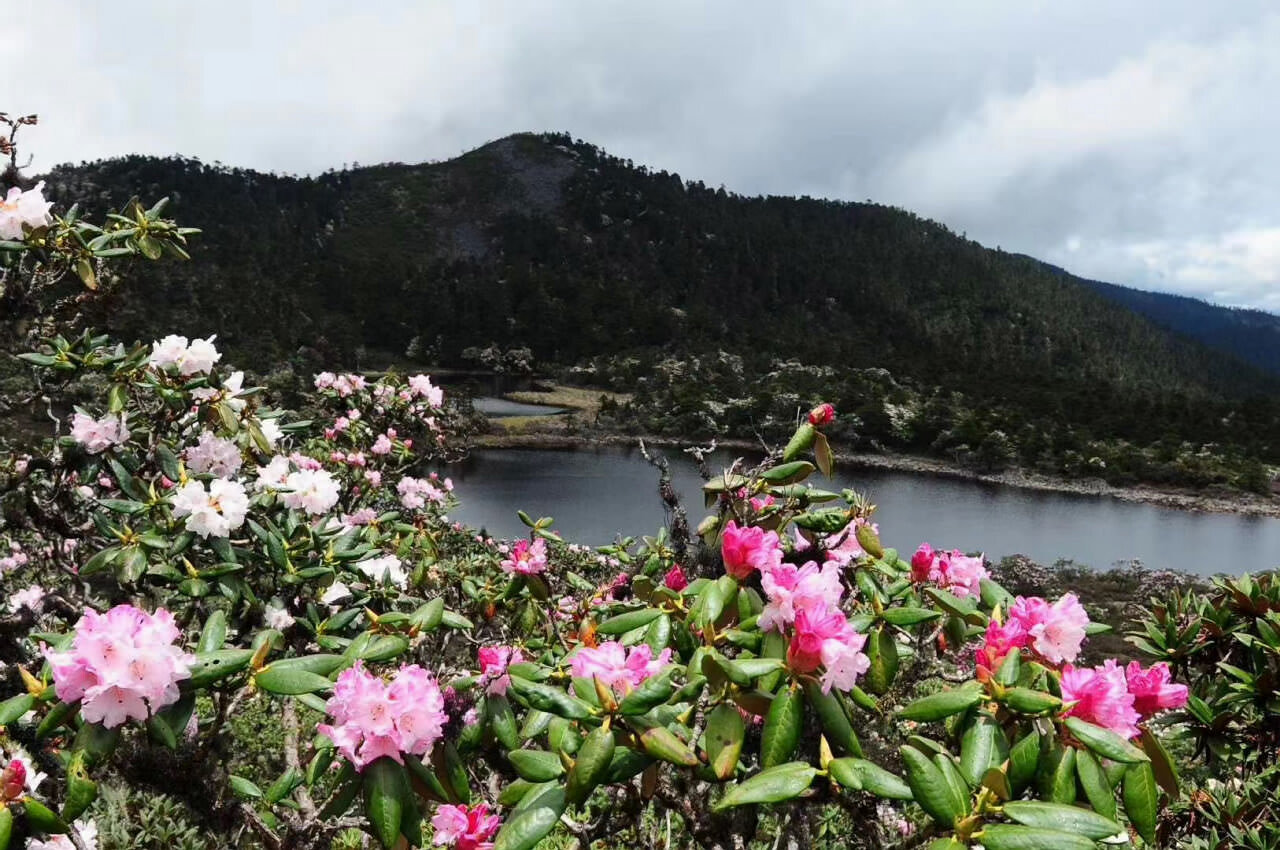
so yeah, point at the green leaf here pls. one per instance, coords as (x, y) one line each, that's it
(290, 681)
(835, 722)
(929, 787)
(1097, 790)
(549, 699)
(652, 692)
(214, 633)
(55, 718)
(244, 788)
(40, 818)
(662, 743)
(1104, 742)
(1024, 761)
(822, 453)
(1062, 818)
(623, 623)
(1058, 775)
(788, 473)
(1004, 836)
(536, 765)
(81, 790)
(6, 827)
(1141, 799)
(878, 781)
(907, 617)
(983, 745)
(882, 650)
(799, 443)
(1165, 771)
(502, 720)
(524, 830)
(14, 707)
(782, 727)
(1032, 702)
(944, 704)
(724, 736)
(592, 761)
(211, 667)
(778, 783)
(385, 790)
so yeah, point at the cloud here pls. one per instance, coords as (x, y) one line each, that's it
(1125, 141)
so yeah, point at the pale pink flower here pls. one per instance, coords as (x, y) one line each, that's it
(314, 491)
(790, 588)
(465, 828)
(494, 661)
(168, 351)
(19, 208)
(214, 512)
(1154, 689)
(843, 547)
(1101, 697)
(276, 616)
(228, 394)
(420, 386)
(382, 445)
(527, 558)
(373, 719)
(199, 358)
(325, 380)
(748, 549)
(613, 664)
(374, 477)
(122, 665)
(98, 435)
(88, 831)
(416, 492)
(31, 598)
(215, 455)
(1054, 631)
(274, 474)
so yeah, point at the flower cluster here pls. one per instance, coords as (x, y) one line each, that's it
(952, 571)
(1117, 698)
(613, 664)
(373, 718)
(21, 210)
(385, 568)
(98, 435)
(748, 549)
(14, 559)
(122, 665)
(416, 492)
(494, 661)
(314, 491)
(215, 455)
(343, 385)
(212, 510)
(526, 558)
(187, 358)
(1054, 632)
(465, 828)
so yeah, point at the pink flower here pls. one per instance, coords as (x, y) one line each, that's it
(1153, 689)
(13, 779)
(215, 455)
(98, 435)
(416, 492)
(19, 209)
(1000, 641)
(373, 718)
(527, 558)
(122, 665)
(382, 445)
(465, 828)
(1101, 697)
(614, 665)
(420, 386)
(952, 571)
(823, 414)
(843, 547)
(1055, 631)
(922, 564)
(494, 661)
(31, 598)
(790, 588)
(675, 579)
(814, 627)
(748, 549)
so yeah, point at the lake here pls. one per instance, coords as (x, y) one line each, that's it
(596, 493)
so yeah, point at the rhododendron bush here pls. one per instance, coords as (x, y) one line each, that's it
(205, 548)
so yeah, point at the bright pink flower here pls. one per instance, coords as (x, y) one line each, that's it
(675, 579)
(1000, 641)
(814, 627)
(465, 828)
(748, 549)
(1101, 696)
(823, 414)
(790, 588)
(952, 571)
(494, 661)
(13, 779)
(1055, 631)
(122, 665)
(922, 564)
(1153, 689)
(758, 504)
(527, 558)
(613, 664)
(373, 718)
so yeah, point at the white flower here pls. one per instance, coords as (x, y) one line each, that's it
(98, 435)
(271, 432)
(168, 351)
(199, 358)
(31, 597)
(276, 617)
(19, 208)
(88, 834)
(214, 454)
(273, 475)
(335, 593)
(388, 568)
(215, 512)
(314, 491)
(228, 394)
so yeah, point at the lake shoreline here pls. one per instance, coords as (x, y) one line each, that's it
(1242, 504)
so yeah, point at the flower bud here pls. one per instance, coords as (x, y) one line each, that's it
(12, 780)
(823, 414)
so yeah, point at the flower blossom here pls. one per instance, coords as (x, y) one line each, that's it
(824, 638)
(215, 455)
(122, 665)
(952, 571)
(274, 474)
(215, 512)
(98, 435)
(276, 616)
(31, 598)
(1000, 640)
(229, 393)
(613, 664)
(188, 358)
(14, 559)
(19, 775)
(1153, 689)
(1054, 631)
(748, 549)
(88, 831)
(387, 568)
(416, 492)
(19, 209)
(790, 588)
(312, 490)
(421, 386)
(373, 718)
(464, 828)
(527, 558)
(822, 415)
(1101, 697)
(494, 661)
(675, 579)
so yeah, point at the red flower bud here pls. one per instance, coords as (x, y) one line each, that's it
(675, 579)
(823, 414)
(12, 780)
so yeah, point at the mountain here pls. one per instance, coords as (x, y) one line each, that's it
(1251, 335)
(547, 242)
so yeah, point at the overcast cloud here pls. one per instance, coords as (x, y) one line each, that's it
(1134, 142)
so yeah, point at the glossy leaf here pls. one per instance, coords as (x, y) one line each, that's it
(724, 736)
(778, 783)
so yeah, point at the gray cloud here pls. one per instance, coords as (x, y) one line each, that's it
(1131, 142)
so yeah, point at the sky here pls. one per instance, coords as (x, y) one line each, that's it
(1133, 142)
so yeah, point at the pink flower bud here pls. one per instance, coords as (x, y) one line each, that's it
(823, 414)
(12, 780)
(675, 579)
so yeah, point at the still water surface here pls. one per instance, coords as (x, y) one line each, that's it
(594, 494)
